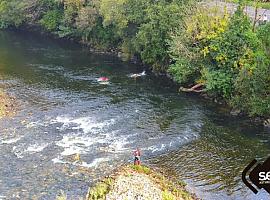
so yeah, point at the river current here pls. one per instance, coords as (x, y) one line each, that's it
(63, 112)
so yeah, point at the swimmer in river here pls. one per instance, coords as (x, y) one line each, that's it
(137, 75)
(103, 80)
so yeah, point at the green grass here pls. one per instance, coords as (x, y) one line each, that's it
(99, 191)
(141, 169)
(166, 195)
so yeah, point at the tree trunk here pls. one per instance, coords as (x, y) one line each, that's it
(195, 88)
(255, 17)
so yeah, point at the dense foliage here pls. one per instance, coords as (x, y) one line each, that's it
(227, 56)
(192, 43)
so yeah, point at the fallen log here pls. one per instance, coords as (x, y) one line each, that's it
(196, 88)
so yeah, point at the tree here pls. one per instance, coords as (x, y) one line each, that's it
(235, 50)
(190, 43)
(11, 13)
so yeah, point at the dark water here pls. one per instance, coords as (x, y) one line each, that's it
(63, 111)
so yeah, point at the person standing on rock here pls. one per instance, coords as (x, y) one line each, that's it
(137, 157)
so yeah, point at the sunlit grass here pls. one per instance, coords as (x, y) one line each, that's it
(141, 169)
(100, 190)
(166, 195)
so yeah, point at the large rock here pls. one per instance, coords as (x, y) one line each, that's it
(134, 186)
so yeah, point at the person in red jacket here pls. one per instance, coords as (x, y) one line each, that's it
(137, 155)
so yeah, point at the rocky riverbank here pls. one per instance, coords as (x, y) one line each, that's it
(138, 182)
(7, 108)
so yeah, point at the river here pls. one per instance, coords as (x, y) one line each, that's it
(62, 111)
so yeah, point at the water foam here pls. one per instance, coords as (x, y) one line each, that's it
(17, 152)
(84, 123)
(155, 148)
(88, 133)
(74, 144)
(36, 147)
(49, 67)
(20, 151)
(118, 145)
(95, 163)
(58, 160)
(11, 141)
(82, 144)
(2, 197)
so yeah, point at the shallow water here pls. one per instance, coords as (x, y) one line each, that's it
(63, 111)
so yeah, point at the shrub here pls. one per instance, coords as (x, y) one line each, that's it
(189, 45)
(51, 20)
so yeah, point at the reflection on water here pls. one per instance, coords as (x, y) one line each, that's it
(64, 112)
(213, 164)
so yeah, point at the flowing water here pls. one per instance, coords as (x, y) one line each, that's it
(63, 111)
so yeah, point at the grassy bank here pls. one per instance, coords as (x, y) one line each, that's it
(131, 181)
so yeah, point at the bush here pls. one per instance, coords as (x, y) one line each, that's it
(11, 13)
(100, 190)
(51, 20)
(264, 36)
(227, 56)
(253, 91)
